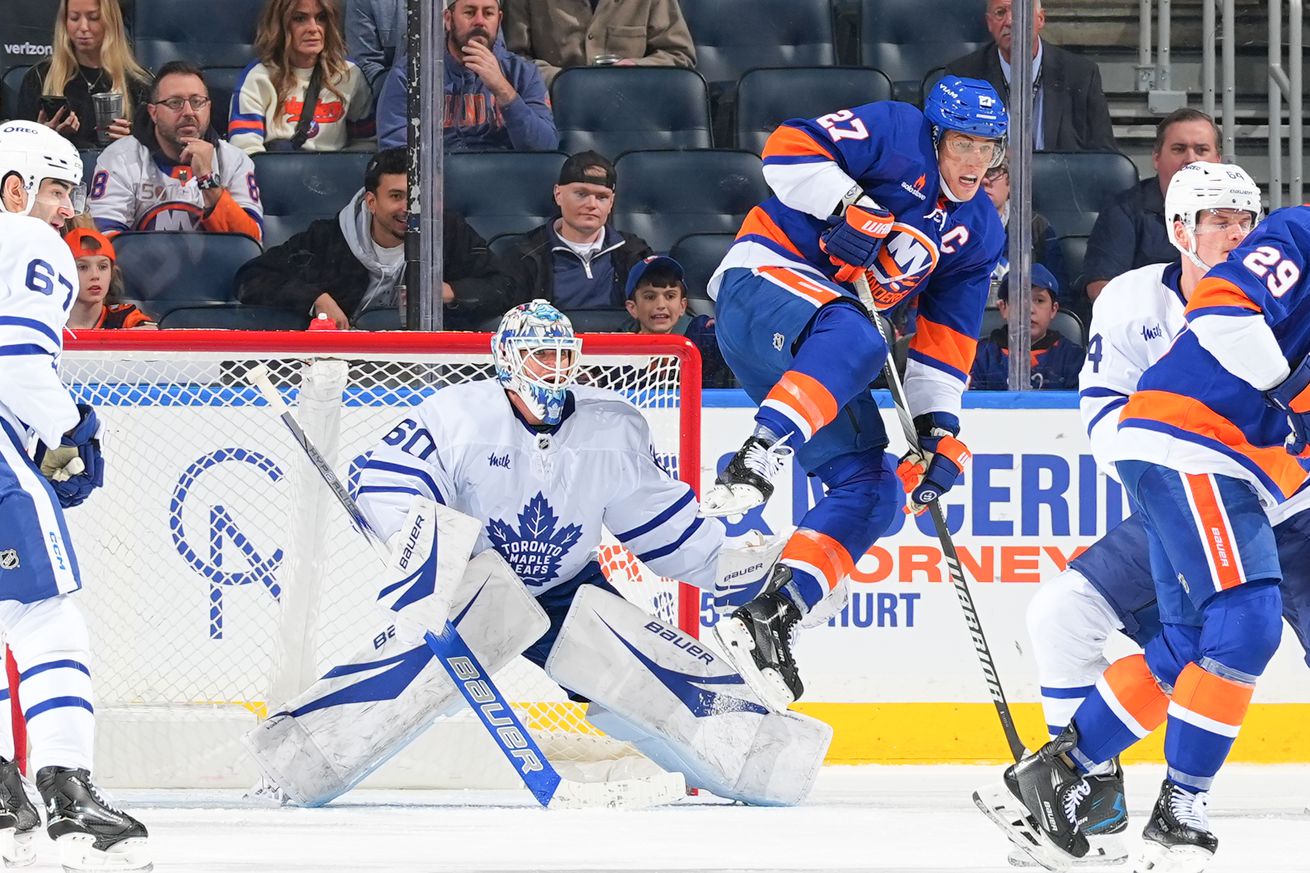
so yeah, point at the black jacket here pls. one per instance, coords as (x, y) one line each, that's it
(531, 264)
(1075, 116)
(78, 94)
(318, 260)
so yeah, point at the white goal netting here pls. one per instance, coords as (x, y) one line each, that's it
(220, 576)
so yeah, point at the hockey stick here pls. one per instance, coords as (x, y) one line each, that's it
(474, 683)
(953, 565)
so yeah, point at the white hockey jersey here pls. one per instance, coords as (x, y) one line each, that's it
(38, 283)
(542, 497)
(1134, 321)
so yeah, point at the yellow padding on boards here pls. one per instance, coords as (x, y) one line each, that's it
(940, 733)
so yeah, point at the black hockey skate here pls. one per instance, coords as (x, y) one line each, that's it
(19, 818)
(1037, 804)
(756, 638)
(747, 481)
(92, 833)
(1177, 839)
(1104, 815)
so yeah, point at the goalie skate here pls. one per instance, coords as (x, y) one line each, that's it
(747, 481)
(19, 818)
(756, 639)
(92, 834)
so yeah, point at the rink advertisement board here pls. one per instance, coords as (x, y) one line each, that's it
(895, 671)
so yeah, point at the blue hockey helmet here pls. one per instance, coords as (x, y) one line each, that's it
(969, 106)
(536, 355)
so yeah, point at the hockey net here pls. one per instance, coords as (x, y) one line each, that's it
(221, 578)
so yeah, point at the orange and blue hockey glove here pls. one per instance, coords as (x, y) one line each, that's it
(1292, 395)
(852, 242)
(929, 473)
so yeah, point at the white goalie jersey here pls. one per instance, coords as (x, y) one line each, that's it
(543, 497)
(1134, 321)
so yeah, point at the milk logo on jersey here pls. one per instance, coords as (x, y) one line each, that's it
(906, 259)
(1150, 333)
(537, 547)
(495, 460)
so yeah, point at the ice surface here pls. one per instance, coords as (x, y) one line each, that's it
(858, 818)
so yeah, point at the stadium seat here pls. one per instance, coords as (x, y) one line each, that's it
(380, 319)
(221, 81)
(1073, 249)
(700, 255)
(170, 30)
(502, 192)
(9, 87)
(89, 158)
(501, 245)
(1071, 188)
(233, 316)
(908, 38)
(167, 270)
(599, 320)
(1068, 324)
(618, 109)
(298, 187)
(666, 195)
(768, 96)
(733, 36)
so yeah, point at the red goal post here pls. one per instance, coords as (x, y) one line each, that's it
(219, 578)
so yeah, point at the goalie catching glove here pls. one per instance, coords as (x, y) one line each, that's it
(930, 471)
(75, 467)
(853, 241)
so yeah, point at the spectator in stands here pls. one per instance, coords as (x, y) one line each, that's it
(1056, 359)
(302, 93)
(175, 173)
(355, 262)
(1131, 232)
(657, 302)
(1070, 113)
(91, 55)
(559, 34)
(494, 98)
(374, 30)
(1046, 245)
(578, 261)
(100, 286)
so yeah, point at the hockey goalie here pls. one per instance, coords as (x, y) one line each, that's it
(497, 491)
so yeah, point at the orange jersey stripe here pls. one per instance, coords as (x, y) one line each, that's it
(1132, 684)
(822, 552)
(1193, 416)
(807, 396)
(790, 142)
(1219, 292)
(797, 283)
(1214, 530)
(1213, 697)
(944, 344)
(759, 223)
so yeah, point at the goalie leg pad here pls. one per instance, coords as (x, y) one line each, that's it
(429, 555)
(683, 705)
(360, 714)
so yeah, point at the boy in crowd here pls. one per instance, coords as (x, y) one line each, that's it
(1056, 359)
(657, 302)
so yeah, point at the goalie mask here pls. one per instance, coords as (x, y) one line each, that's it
(536, 355)
(36, 153)
(1203, 186)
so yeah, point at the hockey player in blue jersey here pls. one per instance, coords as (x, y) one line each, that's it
(1212, 444)
(523, 471)
(892, 194)
(40, 188)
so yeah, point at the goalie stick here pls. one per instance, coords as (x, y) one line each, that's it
(953, 565)
(513, 739)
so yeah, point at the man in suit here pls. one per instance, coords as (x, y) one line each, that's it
(1071, 113)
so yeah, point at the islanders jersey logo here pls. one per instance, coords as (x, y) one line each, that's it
(537, 547)
(906, 259)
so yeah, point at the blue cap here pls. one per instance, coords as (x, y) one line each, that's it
(1042, 278)
(639, 269)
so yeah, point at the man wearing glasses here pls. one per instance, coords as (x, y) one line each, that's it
(176, 174)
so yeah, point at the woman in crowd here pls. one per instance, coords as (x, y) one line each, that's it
(91, 55)
(302, 60)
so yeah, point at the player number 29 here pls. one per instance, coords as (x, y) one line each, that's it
(854, 130)
(1279, 273)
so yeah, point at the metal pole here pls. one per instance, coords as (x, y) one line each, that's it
(1021, 201)
(426, 49)
(1207, 56)
(1163, 64)
(1277, 82)
(1296, 100)
(1145, 67)
(1230, 83)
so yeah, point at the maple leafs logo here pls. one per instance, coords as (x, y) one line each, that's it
(536, 549)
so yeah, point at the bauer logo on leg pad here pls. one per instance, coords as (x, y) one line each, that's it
(682, 641)
(493, 713)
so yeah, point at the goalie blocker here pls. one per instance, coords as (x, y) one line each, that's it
(661, 690)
